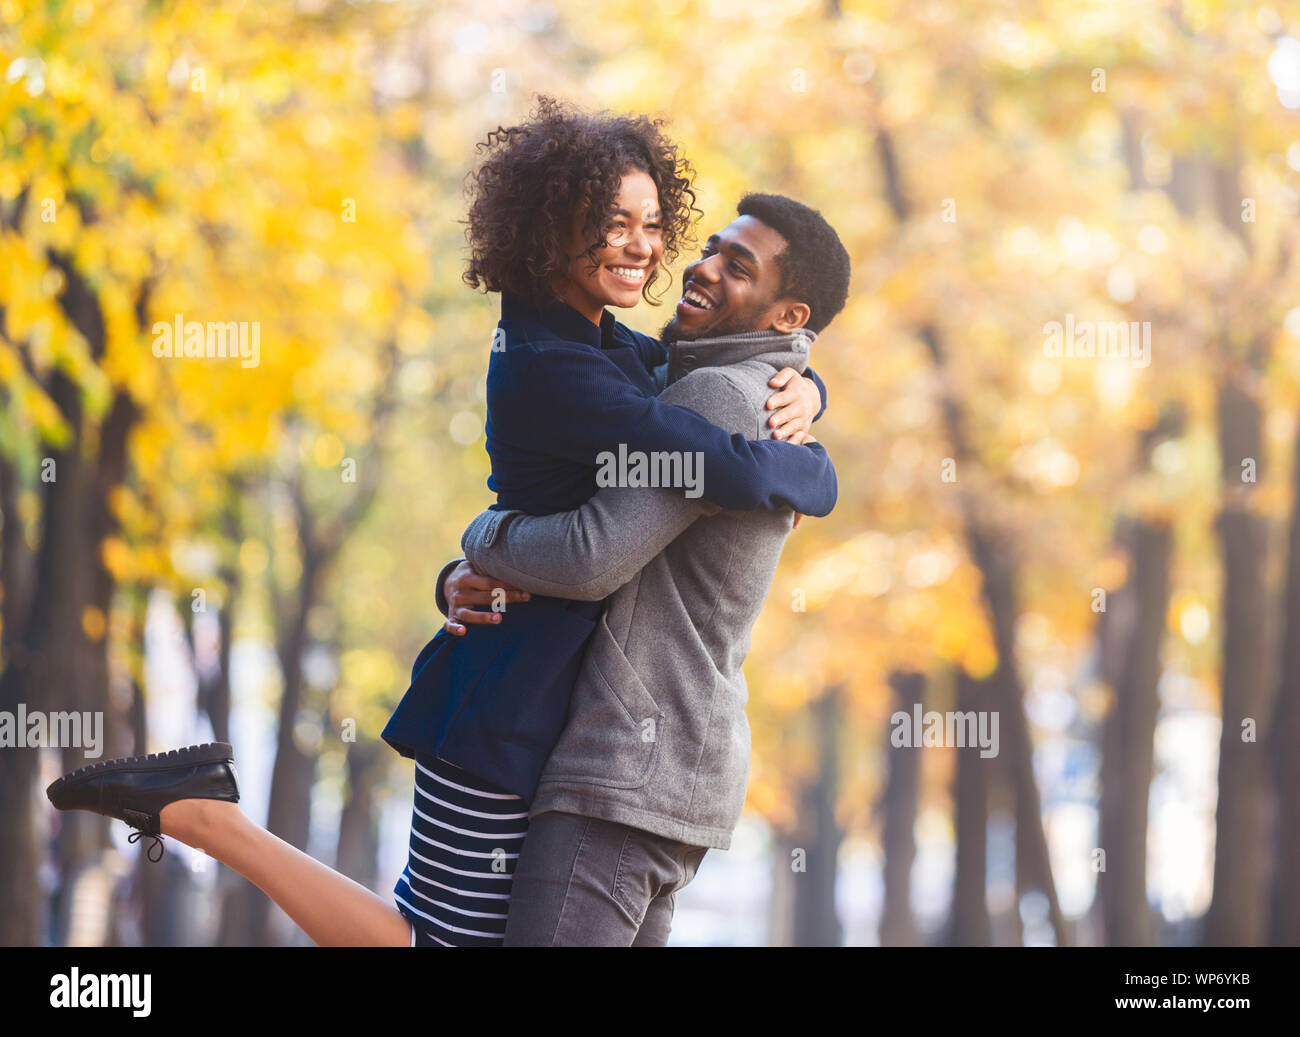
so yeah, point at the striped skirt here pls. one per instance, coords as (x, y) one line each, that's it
(465, 841)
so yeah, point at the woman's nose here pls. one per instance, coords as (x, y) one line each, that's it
(638, 244)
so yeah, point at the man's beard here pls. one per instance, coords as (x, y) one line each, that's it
(739, 324)
(670, 333)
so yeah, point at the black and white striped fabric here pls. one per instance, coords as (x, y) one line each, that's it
(465, 842)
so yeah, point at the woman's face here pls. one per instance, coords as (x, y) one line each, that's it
(633, 247)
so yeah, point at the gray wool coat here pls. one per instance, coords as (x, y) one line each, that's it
(656, 735)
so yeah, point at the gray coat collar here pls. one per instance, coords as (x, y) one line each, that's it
(788, 349)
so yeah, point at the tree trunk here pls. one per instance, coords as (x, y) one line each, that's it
(358, 845)
(54, 648)
(214, 681)
(1284, 740)
(780, 917)
(70, 632)
(898, 803)
(20, 919)
(1236, 915)
(214, 691)
(1135, 631)
(1033, 862)
(815, 921)
(294, 772)
(969, 925)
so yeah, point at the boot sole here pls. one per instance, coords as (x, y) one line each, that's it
(191, 756)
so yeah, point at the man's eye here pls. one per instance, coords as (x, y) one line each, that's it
(738, 269)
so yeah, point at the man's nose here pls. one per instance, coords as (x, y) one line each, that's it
(704, 269)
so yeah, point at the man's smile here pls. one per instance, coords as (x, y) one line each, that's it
(694, 300)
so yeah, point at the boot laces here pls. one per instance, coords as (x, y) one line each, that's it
(157, 843)
(147, 825)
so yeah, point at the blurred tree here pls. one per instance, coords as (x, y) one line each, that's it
(968, 924)
(1284, 737)
(172, 164)
(898, 807)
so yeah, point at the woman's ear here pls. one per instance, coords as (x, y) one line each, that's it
(791, 316)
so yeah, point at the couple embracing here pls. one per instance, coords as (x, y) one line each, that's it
(578, 726)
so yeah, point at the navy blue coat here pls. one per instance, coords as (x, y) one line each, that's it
(560, 391)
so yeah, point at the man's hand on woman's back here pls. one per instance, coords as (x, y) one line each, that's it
(798, 401)
(465, 588)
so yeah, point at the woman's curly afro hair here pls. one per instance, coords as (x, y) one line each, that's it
(537, 176)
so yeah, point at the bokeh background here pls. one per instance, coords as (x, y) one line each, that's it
(1105, 553)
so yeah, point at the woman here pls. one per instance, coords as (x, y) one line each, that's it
(570, 212)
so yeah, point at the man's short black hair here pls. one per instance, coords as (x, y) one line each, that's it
(815, 264)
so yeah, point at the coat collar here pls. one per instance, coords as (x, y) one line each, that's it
(562, 319)
(777, 348)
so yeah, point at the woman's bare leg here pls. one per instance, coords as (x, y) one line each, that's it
(328, 906)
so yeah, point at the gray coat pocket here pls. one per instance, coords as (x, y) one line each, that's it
(614, 727)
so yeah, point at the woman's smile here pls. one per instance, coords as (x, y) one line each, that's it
(629, 276)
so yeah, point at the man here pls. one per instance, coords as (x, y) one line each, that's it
(651, 768)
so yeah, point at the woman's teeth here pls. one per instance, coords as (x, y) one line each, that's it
(630, 273)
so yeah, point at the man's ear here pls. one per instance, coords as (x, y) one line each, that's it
(790, 315)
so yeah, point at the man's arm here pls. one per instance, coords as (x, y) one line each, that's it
(588, 553)
(585, 554)
(592, 410)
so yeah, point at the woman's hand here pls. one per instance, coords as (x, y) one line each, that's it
(465, 587)
(798, 403)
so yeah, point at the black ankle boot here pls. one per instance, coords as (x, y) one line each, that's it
(134, 789)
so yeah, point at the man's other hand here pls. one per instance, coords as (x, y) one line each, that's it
(465, 588)
(796, 404)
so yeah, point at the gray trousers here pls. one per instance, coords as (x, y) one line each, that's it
(584, 882)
